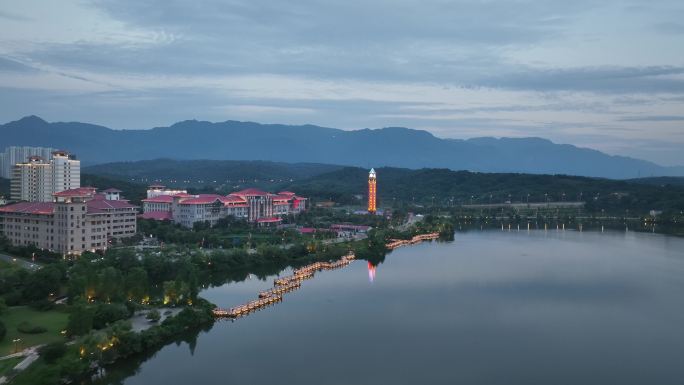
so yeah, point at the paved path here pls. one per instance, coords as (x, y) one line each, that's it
(20, 262)
(30, 354)
(139, 322)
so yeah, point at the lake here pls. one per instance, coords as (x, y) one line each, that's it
(491, 307)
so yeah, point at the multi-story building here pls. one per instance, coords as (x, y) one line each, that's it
(37, 179)
(77, 220)
(66, 171)
(251, 204)
(156, 190)
(19, 154)
(31, 181)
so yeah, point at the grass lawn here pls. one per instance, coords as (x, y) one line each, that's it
(53, 320)
(8, 364)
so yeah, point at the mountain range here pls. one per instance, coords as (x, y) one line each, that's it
(392, 146)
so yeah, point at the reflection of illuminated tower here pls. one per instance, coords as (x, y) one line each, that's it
(372, 182)
(371, 272)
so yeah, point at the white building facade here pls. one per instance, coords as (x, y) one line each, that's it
(37, 179)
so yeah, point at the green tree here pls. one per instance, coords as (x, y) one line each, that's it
(42, 283)
(110, 284)
(72, 366)
(137, 284)
(3, 330)
(80, 320)
(106, 314)
(53, 351)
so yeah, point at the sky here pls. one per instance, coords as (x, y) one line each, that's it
(607, 74)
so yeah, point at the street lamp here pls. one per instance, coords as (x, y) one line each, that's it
(16, 344)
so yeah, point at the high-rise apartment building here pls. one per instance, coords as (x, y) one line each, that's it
(37, 179)
(19, 154)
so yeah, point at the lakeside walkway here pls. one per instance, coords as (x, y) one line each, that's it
(282, 286)
(395, 243)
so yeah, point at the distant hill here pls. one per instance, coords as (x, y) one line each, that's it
(189, 173)
(446, 187)
(660, 181)
(393, 146)
(135, 192)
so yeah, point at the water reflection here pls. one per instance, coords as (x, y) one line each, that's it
(371, 272)
(490, 308)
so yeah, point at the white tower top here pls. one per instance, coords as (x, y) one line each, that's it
(371, 174)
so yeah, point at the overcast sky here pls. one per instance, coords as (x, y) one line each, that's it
(602, 74)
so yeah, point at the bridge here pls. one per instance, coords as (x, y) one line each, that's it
(282, 286)
(395, 243)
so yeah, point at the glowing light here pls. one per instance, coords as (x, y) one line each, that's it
(372, 191)
(371, 272)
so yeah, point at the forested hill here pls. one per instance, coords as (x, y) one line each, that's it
(194, 173)
(447, 187)
(348, 185)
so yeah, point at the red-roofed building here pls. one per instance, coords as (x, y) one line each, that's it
(250, 192)
(251, 204)
(77, 220)
(157, 215)
(156, 190)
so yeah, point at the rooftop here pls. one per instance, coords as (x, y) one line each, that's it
(204, 199)
(157, 215)
(95, 206)
(77, 192)
(250, 192)
(103, 205)
(29, 208)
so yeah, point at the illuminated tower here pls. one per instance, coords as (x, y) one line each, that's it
(372, 182)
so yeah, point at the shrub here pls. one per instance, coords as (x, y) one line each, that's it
(80, 321)
(153, 315)
(52, 352)
(106, 314)
(3, 330)
(28, 328)
(43, 305)
(14, 298)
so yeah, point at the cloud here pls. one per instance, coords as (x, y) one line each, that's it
(573, 71)
(670, 28)
(654, 118)
(13, 16)
(608, 79)
(9, 65)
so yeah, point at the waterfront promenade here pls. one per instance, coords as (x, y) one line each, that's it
(282, 286)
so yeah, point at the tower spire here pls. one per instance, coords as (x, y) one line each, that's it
(372, 191)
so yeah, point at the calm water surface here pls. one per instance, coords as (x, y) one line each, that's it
(489, 308)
